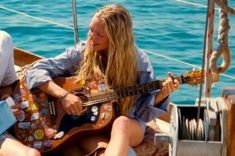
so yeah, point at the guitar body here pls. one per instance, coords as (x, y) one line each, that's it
(41, 118)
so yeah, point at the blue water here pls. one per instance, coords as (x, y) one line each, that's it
(165, 27)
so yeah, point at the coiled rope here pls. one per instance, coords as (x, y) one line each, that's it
(223, 48)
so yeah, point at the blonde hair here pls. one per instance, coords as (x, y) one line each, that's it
(121, 69)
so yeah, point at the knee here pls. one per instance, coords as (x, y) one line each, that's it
(32, 152)
(121, 125)
(6, 38)
(8, 148)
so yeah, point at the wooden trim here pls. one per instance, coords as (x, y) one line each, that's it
(23, 57)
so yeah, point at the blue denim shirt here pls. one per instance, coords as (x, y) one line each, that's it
(67, 64)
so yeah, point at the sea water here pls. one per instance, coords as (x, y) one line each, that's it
(172, 32)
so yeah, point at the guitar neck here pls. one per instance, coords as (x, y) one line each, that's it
(139, 89)
(145, 88)
(129, 91)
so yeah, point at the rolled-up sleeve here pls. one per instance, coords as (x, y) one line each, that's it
(62, 65)
(145, 108)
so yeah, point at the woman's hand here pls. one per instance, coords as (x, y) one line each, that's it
(72, 104)
(170, 84)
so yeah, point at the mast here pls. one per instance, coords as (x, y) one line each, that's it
(207, 51)
(209, 47)
(75, 25)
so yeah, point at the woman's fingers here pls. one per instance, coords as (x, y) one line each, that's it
(72, 104)
(170, 85)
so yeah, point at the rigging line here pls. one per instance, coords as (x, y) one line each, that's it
(193, 3)
(37, 18)
(182, 62)
(170, 58)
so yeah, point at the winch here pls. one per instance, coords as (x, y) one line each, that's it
(192, 136)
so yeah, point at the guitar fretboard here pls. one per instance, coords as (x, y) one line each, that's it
(127, 91)
(138, 89)
(101, 97)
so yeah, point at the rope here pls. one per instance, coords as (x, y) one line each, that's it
(224, 6)
(223, 48)
(190, 131)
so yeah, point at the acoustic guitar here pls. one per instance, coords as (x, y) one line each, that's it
(43, 124)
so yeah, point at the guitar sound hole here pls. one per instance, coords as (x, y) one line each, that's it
(81, 93)
(71, 121)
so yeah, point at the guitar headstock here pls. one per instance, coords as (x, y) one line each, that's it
(196, 77)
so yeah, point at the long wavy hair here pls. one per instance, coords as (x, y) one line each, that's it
(121, 66)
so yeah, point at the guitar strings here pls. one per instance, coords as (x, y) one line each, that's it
(98, 98)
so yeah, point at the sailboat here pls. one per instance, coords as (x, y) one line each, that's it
(216, 136)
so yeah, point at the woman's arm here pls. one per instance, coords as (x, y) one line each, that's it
(160, 98)
(44, 70)
(40, 76)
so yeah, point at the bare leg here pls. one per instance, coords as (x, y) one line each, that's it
(12, 147)
(1, 153)
(125, 132)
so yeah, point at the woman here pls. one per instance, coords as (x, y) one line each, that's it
(109, 53)
(8, 81)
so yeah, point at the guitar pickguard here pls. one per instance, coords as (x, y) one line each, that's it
(90, 116)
